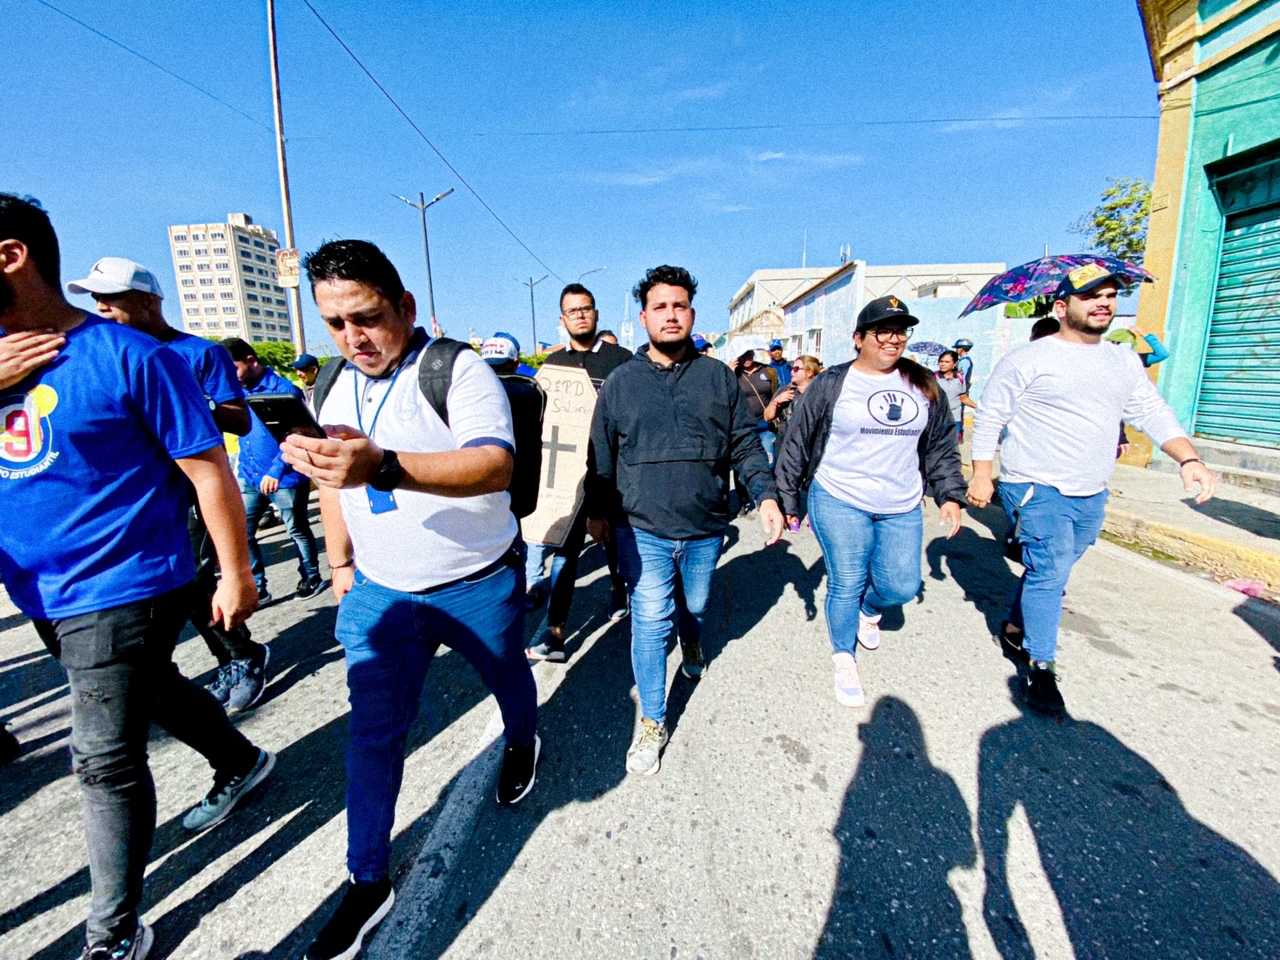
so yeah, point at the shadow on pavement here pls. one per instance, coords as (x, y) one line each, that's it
(1264, 618)
(1136, 876)
(307, 789)
(978, 566)
(902, 827)
(1244, 516)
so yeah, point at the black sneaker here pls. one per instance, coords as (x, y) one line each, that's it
(363, 907)
(310, 588)
(519, 771)
(550, 647)
(694, 665)
(9, 746)
(535, 597)
(264, 595)
(1042, 688)
(1012, 643)
(129, 948)
(619, 605)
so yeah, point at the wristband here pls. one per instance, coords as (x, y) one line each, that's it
(343, 566)
(1190, 460)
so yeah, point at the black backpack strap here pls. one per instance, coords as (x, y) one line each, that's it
(324, 382)
(435, 373)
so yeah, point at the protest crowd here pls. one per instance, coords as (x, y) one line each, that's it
(428, 457)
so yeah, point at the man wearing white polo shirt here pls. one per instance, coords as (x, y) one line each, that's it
(421, 539)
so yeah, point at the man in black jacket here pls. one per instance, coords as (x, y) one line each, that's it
(588, 351)
(668, 426)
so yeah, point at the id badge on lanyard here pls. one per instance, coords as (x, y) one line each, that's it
(380, 501)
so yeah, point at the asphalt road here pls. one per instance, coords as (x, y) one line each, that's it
(939, 821)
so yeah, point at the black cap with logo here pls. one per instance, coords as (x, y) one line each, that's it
(884, 310)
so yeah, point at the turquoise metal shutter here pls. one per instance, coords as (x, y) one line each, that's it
(1240, 386)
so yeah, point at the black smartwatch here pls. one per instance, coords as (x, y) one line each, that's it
(389, 474)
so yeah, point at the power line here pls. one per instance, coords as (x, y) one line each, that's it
(818, 125)
(163, 69)
(427, 141)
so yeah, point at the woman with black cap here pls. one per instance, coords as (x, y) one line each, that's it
(872, 436)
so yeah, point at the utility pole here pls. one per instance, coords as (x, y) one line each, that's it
(421, 207)
(533, 317)
(295, 297)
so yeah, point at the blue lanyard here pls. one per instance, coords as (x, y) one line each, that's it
(355, 390)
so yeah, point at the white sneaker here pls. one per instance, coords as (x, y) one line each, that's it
(869, 630)
(848, 684)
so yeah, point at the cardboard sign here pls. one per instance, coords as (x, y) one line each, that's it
(287, 269)
(566, 431)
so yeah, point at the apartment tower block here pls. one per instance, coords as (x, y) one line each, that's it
(227, 284)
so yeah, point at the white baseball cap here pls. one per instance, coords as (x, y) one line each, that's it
(117, 275)
(500, 348)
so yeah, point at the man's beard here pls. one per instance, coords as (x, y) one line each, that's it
(673, 348)
(1088, 325)
(7, 297)
(586, 339)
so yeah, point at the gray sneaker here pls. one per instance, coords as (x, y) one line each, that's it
(224, 796)
(694, 665)
(645, 755)
(249, 681)
(222, 683)
(136, 947)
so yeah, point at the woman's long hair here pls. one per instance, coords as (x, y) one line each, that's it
(921, 378)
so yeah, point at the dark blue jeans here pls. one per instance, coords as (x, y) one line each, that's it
(1055, 531)
(389, 639)
(650, 565)
(292, 504)
(122, 679)
(872, 559)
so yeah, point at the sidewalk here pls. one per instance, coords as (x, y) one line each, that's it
(1236, 534)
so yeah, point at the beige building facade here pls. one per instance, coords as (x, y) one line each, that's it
(226, 280)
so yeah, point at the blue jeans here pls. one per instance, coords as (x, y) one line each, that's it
(650, 565)
(389, 639)
(873, 562)
(1055, 531)
(292, 504)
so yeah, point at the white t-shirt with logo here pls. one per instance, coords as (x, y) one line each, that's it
(871, 461)
(428, 539)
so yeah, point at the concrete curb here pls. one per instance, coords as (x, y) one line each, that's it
(1222, 558)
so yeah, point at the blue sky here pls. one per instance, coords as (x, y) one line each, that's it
(117, 150)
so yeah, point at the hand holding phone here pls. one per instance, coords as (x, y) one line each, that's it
(284, 414)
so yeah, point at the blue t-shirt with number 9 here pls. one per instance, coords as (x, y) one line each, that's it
(95, 507)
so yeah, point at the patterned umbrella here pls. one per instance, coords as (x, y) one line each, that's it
(1041, 277)
(927, 348)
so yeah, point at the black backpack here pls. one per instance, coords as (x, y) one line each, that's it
(527, 401)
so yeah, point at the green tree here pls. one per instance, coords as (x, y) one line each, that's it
(1118, 225)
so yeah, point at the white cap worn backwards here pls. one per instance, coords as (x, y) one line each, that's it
(117, 275)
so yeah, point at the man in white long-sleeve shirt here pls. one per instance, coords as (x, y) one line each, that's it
(1060, 398)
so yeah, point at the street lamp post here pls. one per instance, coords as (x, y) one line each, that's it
(589, 272)
(295, 297)
(421, 207)
(533, 317)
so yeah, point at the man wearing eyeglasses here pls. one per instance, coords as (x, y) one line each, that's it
(589, 351)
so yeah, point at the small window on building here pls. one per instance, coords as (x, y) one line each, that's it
(210, 309)
(207, 296)
(201, 251)
(193, 311)
(188, 282)
(228, 309)
(184, 252)
(179, 238)
(246, 254)
(279, 303)
(227, 295)
(219, 250)
(197, 236)
(256, 324)
(188, 296)
(246, 268)
(202, 266)
(255, 312)
(244, 240)
(195, 325)
(251, 296)
(217, 235)
(224, 279)
(222, 265)
(259, 244)
(184, 268)
(250, 283)
(260, 258)
(206, 281)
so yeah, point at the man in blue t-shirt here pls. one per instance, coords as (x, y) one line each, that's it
(129, 293)
(779, 364)
(266, 478)
(99, 450)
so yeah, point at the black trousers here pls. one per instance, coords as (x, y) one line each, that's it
(225, 645)
(562, 592)
(122, 676)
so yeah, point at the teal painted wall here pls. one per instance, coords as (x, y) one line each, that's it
(1235, 107)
